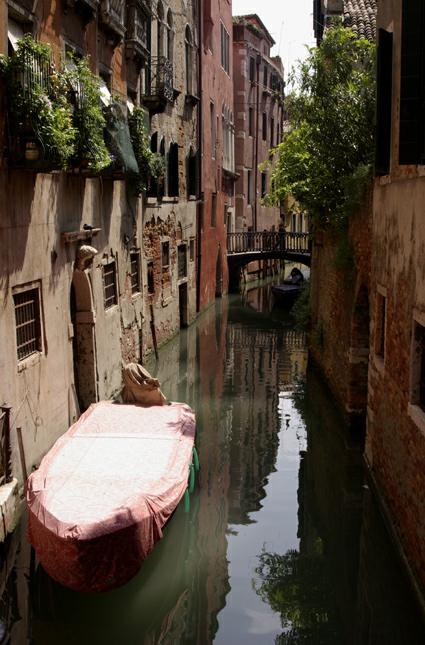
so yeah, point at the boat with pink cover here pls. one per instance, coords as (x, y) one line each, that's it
(103, 493)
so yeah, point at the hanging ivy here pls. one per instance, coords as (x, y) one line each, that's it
(151, 164)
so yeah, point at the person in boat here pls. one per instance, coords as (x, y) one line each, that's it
(295, 277)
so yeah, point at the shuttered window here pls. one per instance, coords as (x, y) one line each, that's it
(383, 104)
(412, 95)
(109, 285)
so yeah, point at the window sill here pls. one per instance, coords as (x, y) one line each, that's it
(417, 415)
(30, 361)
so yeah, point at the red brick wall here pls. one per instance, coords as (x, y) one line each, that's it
(340, 316)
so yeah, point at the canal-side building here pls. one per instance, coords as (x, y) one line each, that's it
(340, 268)
(259, 94)
(169, 216)
(216, 210)
(395, 442)
(91, 272)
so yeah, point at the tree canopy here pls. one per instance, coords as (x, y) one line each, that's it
(325, 159)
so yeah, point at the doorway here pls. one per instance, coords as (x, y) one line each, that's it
(183, 305)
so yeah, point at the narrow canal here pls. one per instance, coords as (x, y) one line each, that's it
(283, 542)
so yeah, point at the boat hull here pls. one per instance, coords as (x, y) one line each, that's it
(92, 526)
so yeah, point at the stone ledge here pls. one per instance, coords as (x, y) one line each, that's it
(10, 504)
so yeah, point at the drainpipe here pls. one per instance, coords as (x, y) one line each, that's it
(257, 117)
(199, 204)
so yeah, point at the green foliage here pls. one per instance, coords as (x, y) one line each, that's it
(151, 164)
(296, 586)
(325, 159)
(88, 116)
(37, 102)
(301, 311)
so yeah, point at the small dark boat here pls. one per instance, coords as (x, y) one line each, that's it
(286, 294)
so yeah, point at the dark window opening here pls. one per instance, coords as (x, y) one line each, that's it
(135, 271)
(214, 209)
(165, 255)
(263, 184)
(151, 278)
(271, 133)
(192, 174)
(265, 75)
(251, 122)
(225, 49)
(110, 296)
(181, 261)
(28, 323)
(264, 126)
(249, 187)
(252, 69)
(192, 250)
(173, 170)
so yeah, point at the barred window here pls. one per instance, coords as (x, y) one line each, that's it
(109, 285)
(28, 323)
(135, 271)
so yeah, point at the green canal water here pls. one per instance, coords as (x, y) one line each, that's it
(283, 543)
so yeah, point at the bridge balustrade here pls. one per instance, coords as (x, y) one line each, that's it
(266, 241)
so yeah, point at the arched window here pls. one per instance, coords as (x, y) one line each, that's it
(173, 170)
(188, 42)
(170, 37)
(160, 30)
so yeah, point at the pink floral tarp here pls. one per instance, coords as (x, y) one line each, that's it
(99, 499)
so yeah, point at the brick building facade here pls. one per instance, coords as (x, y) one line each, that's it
(216, 212)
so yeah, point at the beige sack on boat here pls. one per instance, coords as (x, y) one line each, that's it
(140, 388)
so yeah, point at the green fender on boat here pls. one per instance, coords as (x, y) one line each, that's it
(195, 459)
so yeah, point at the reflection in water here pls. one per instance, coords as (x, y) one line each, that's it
(281, 540)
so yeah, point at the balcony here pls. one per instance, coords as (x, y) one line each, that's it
(86, 8)
(137, 38)
(159, 85)
(112, 18)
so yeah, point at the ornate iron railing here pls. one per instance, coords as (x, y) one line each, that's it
(159, 80)
(267, 241)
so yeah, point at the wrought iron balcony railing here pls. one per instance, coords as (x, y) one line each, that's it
(159, 84)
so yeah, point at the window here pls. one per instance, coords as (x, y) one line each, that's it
(249, 187)
(173, 170)
(181, 261)
(384, 93)
(265, 76)
(417, 394)
(165, 255)
(135, 271)
(192, 250)
(188, 60)
(192, 173)
(252, 69)
(381, 313)
(110, 297)
(271, 133)
(28, 322)
(225, 49)
(213, 129)
(251, 122)
(412, 127)
(264, 126)
(170, 36)
(151, 278)
(214, 209)
(263, 184)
